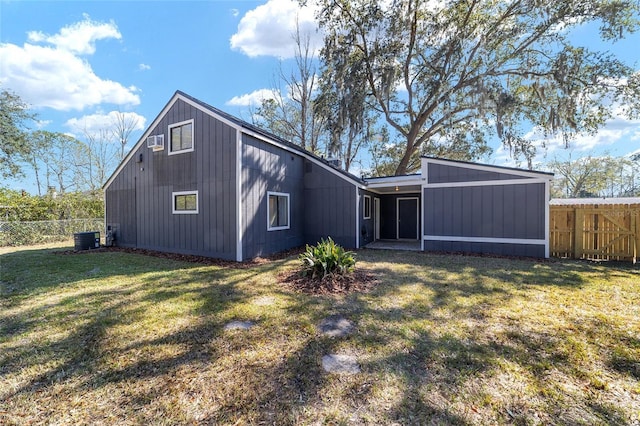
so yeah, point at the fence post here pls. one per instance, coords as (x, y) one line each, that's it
(578, 232)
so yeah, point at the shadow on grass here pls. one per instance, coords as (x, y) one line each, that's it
(431, 309)
(91, 312)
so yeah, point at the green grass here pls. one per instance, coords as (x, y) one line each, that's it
(109, 337)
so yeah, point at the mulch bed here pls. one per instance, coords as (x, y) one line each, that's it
(190, 258)
(358, 281)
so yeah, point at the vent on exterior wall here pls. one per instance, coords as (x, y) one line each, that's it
(156, 142)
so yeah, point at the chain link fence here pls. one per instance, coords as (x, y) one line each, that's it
(46, 231)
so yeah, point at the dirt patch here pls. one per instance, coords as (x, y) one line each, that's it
(358, 281)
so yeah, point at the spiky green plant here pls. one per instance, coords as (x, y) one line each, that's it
(325, 259)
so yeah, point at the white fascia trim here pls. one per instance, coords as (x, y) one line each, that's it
(384, 181)
(399, 192)
(398, 183)
(486, 168)
(239, 233)
(357, 217)
(485, 240)
(485, 183)
(546, 218)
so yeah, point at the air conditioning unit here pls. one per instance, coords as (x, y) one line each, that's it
(156, 142)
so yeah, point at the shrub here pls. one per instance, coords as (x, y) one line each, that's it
(326, 259)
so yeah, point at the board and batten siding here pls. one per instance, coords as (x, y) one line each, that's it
(268, 168)
(209, 169)
(330, 208)
(487, 216)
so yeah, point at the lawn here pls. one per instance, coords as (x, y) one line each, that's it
(119, 338)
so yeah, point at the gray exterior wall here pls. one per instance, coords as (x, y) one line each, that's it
(266, 167)
(500, 211)
(139, 199)
(440, 173)
(330, 206)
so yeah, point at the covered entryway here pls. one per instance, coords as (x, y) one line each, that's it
(397, 210)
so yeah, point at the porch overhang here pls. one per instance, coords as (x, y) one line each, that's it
(395, 184)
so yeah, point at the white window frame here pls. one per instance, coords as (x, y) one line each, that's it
(366, 200)
(173, 202)
(288, 197)
(193, 136)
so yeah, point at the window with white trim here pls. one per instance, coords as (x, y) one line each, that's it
(181, 137)
(367, 207)
(277, 211)
(185, 202)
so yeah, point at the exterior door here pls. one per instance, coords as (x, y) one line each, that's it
(376, 218)
(408, 218)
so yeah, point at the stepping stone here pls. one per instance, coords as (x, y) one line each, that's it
(264, 301)
(239, 325)
(340, 364)
(335, 326)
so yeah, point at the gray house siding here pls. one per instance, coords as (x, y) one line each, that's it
(330, 206)
(501, 211)
(499, 218)
(208, 169)
(265, 168)
(440, 173)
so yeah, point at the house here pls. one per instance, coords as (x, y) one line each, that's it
(203, 182)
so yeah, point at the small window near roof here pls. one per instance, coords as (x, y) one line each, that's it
(185, 202)
(367, 207)
(277, 211)
(181, 137)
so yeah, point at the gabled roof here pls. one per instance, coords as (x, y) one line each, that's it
(239, 124)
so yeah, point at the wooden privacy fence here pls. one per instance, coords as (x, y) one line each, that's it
(595, 231)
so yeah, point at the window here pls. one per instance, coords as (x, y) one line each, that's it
(185, 202)
(367, 207)
(181, 137)
(278, 211)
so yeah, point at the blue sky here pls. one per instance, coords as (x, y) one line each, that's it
(76, 62)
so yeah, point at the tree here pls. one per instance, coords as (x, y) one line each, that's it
(14, 115)
(594, 177)
(123, 125)
(61, 158)
(100, 156)
(291, 114)
(433, 69)
(342, 102)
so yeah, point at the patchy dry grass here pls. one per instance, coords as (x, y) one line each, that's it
(107, 337)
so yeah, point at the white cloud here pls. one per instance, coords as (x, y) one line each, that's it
(617, 135)
(268, 30)
(234, 12)
(80, 37)
(252, 99)
(94, 123)
(144, 67)
(56, 76)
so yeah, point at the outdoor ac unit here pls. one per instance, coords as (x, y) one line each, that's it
(156, 142)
